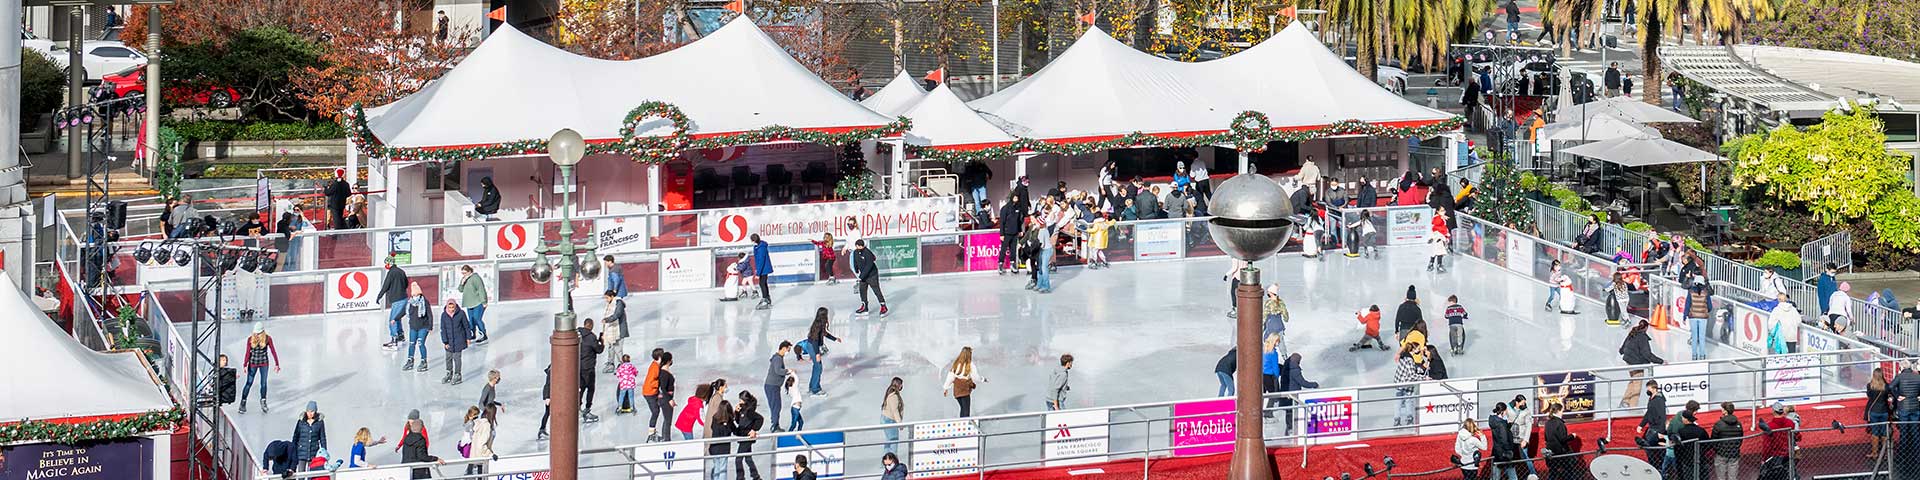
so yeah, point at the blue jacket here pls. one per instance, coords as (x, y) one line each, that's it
(762, 260)
(453, 330)
(1270, 363)
(1825, 287)
(617, 282)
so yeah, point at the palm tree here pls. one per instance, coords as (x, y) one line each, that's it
(1567, 14)
(1656, 17)
(1729, 17)
(1363, 20)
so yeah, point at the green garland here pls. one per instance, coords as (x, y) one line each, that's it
(646, 149)
(43, 431)
(1250, 131)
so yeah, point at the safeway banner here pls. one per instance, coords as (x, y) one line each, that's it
(352, 290)
(808, 221)
(512, 240)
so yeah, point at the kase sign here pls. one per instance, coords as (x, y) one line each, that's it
(352, 291)
(809, 221)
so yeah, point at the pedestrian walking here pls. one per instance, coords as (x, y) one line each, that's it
(1521, 423)
(1652, 428)
(337, 192)
(892, 411)
(800, 469)
(1013, 217)
(1783, 331)
(473, 295)
(453, 337)
(1467, 445)
(1905, 392)
(260, 355)
(867, 269)
(393, 292)
(747, 422)
(1840, 309)
(762, 267)
(419, 313)
(816, 345)
(1561, 464)
(891, 468)
(309, 434)
(961, 378)
(1690, 455)
(1456, 325)
(1057, 386)
(1502, 445)
(1727, 436)
(1879, 410)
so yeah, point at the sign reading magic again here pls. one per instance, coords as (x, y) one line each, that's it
(808, 221)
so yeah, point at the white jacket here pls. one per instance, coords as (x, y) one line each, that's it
(793, 393)
(1840, 304)
(1465, 445)
(1787, 318)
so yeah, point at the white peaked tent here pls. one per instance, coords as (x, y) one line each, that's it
(1298, 84)
(1099, 88)
(897, 96)
(514, 87)
(944, 122)
(49, 375)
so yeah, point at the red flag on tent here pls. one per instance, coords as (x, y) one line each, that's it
(498, 14)
(1088, 17)
(737, 6)
(1290, 12)
(938, 75)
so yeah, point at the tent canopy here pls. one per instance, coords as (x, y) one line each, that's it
(51, 376)
(1298, 83)
(514, 87)
(944, 122)
(899, 95)
(1642, 151)
(1601, 127)
(1629, 109)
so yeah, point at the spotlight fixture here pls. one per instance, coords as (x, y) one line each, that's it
(143, 253)
(269, 262)
(182, 254)
(251, 261)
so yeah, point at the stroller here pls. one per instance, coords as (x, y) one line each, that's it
(738, 283)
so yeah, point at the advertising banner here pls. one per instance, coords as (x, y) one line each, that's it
(794, 263)
(451, 278)
(686, 269)
(895, 256)
(1797, 378)
(536, 467)
(826, 454)
(1201, 429)
(1443, 405)
(399, 244)
(379, 473)
(1752, 326)
(1157, 240)
(1075, 434)
(1409, 226)
(1682, 383)
(674, 461)
(807, 221)
(1576, 399)
(1325, 421)
(127, 459)
(619, 235)
(512, 240)
(1520, 254)
(945, 448)
(352, 291)
(982, 251)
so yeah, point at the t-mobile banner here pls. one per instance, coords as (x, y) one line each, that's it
(1443, 405)
(1324, 420)
(942, 449)
(352, 291)
(793, 263)
(1075, 438)
(1684, 382)
(669, 461)
(982, 251)
(1193, 426)
(1157, 240)
(128, 459)
(807, 221)
(826, 454)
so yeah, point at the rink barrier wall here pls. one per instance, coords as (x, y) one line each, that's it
(1160, 422)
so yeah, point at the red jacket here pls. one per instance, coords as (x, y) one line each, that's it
(1372, 320)
(1777, 444)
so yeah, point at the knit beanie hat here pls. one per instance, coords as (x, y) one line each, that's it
(313, 406)
(414, 414)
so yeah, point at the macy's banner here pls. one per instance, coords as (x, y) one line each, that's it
(807, 221)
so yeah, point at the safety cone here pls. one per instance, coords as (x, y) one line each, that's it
(1659, 317)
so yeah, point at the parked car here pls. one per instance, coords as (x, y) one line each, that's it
(133, 81)
(28, 40)
(1390, 77)
(100, 58)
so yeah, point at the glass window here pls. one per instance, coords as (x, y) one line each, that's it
(113, 52)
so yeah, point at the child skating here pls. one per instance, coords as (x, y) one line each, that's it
(629, 376)
(1370, 320)
(1456, 325)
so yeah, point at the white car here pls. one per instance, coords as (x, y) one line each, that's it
(41, 45)
(1391, 78)
(101, 58)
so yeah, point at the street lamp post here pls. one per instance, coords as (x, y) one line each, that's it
(566, 148)
(1250, 223)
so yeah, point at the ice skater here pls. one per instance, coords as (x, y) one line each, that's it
(867, 269)
(1456, 325)
(816, 345)
(762, 267)
(1438, 243)
(828, 255)
(1370, 322)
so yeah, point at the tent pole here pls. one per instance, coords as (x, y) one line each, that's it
(1020, 164)
(653, 199)
(996, 45)
(899, 170)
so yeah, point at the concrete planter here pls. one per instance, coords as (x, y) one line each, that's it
(38, 138)
(266, 149)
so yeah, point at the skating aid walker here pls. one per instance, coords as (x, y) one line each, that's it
(737, 284)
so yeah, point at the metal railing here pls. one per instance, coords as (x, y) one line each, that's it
(1563, 226)
(1815, 255)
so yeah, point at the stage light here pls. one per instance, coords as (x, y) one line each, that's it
(143, 253)
(270, 262)
(182, 255)
(251, 261)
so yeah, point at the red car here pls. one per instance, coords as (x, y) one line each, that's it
(134, 81)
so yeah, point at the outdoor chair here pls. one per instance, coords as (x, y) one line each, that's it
(746, 184)
(779, 182)
(708, 186)
(816, 174)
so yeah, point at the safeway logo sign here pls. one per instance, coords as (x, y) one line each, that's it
(511, 241)
(1753, 332)
(350, 291)
(733, 228)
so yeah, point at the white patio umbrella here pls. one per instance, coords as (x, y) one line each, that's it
(1631, 110)
(1644, 151)
(1600, 127)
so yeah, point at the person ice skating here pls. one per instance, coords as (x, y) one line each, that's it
(1699, 309)
(546, 400)
(660, 393)
(1057, 386)
(1783, 331)
(453, 337)
(628, 376)
(1553, 285)
(690, 415)
(419, 314)
(1617, 297)
(473, 296)
(777, 373)
(393, 291)
(747, 422)
(1223, 369)
(720, 427)
(762, 267)
(309, 434)
(590, 348)
(892, 411)
(616, 327)
(1408, 315)
(816, 345)
(1293, 378)
(828, 255)
(867, 269)
(1436, 365)
(413, 448)
(791, 388)
(482, 435)
(1013, 217)
(1363, 237)
(1456, 325)
(1410, 367)
(961, 378)
(487, 392)
(1438, 239)
(1370, 329)
(357, 455)
(260, 354)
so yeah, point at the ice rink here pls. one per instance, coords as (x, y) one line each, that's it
(1140, 332)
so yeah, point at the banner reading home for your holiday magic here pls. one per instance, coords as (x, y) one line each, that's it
(803, 222)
